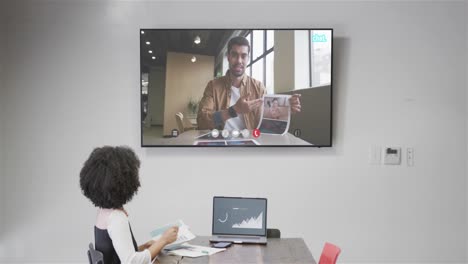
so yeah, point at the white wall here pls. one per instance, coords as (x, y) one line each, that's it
(291, 67)
(2, 124)
(284, 61)
(73, 84)
(466, 123)
(156, 89)
(185, 81)
(3, 43)
(301, 62)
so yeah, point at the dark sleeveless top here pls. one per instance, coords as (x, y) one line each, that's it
(103, 243)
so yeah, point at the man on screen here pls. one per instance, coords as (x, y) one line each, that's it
(234, 101)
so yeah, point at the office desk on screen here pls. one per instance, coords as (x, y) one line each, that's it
(190, 136)
(277, 251)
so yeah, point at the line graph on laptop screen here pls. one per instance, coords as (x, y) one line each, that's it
(252, 222)
(239, 216)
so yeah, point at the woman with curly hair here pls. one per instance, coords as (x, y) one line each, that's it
(274, 109)
(109, 178)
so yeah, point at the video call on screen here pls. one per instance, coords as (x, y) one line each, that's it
(177, 65)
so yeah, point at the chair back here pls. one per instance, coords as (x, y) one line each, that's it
(273, 233)
(94, 256)
(330, 254)
(180, 121)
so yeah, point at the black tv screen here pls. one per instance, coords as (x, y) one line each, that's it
(236, 87)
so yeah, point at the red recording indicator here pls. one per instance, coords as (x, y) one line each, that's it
(256, 133)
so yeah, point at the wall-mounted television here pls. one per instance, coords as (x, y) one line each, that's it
(236, 87)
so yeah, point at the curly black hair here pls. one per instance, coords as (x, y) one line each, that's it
(109, 177)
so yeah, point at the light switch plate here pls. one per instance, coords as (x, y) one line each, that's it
(410, 157)
(392, 155)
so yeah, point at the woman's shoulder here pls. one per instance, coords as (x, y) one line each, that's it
(118, 224)
(117, 220)
(102, 218)
(106, 217)
(119, 214)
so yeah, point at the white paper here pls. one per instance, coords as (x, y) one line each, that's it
(193, 251)
(183, 235)
(276, 114)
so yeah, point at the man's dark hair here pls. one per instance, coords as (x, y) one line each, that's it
(109, 178)
(240, 41)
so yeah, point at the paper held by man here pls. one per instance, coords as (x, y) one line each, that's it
(276, 114)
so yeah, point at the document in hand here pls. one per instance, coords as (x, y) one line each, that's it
(276, 114)
(183, 235)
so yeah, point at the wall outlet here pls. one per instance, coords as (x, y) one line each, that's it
(392, 156)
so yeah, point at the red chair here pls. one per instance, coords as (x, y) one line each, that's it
(330, 254)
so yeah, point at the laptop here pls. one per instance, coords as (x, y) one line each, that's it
(239, 220)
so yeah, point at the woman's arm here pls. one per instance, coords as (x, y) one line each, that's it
(168, 237)
(119, 232)
(145, 245)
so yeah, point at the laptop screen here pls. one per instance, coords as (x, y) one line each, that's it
(239, 216)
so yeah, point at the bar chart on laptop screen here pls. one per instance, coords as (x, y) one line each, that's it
(239, 217)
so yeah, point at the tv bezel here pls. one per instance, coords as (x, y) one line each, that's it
(237, 146)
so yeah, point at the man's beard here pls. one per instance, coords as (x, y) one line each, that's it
(236, 73)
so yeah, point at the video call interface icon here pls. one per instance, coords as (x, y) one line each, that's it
(245, 133)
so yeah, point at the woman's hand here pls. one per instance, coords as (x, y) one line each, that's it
(170, 235)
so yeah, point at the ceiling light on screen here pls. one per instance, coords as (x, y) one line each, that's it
(147, 42)
(197, 40)
(142, 32)
(150, 51)
(153, 57)
(194, 59)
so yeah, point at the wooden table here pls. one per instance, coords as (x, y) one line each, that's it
(277, 251)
